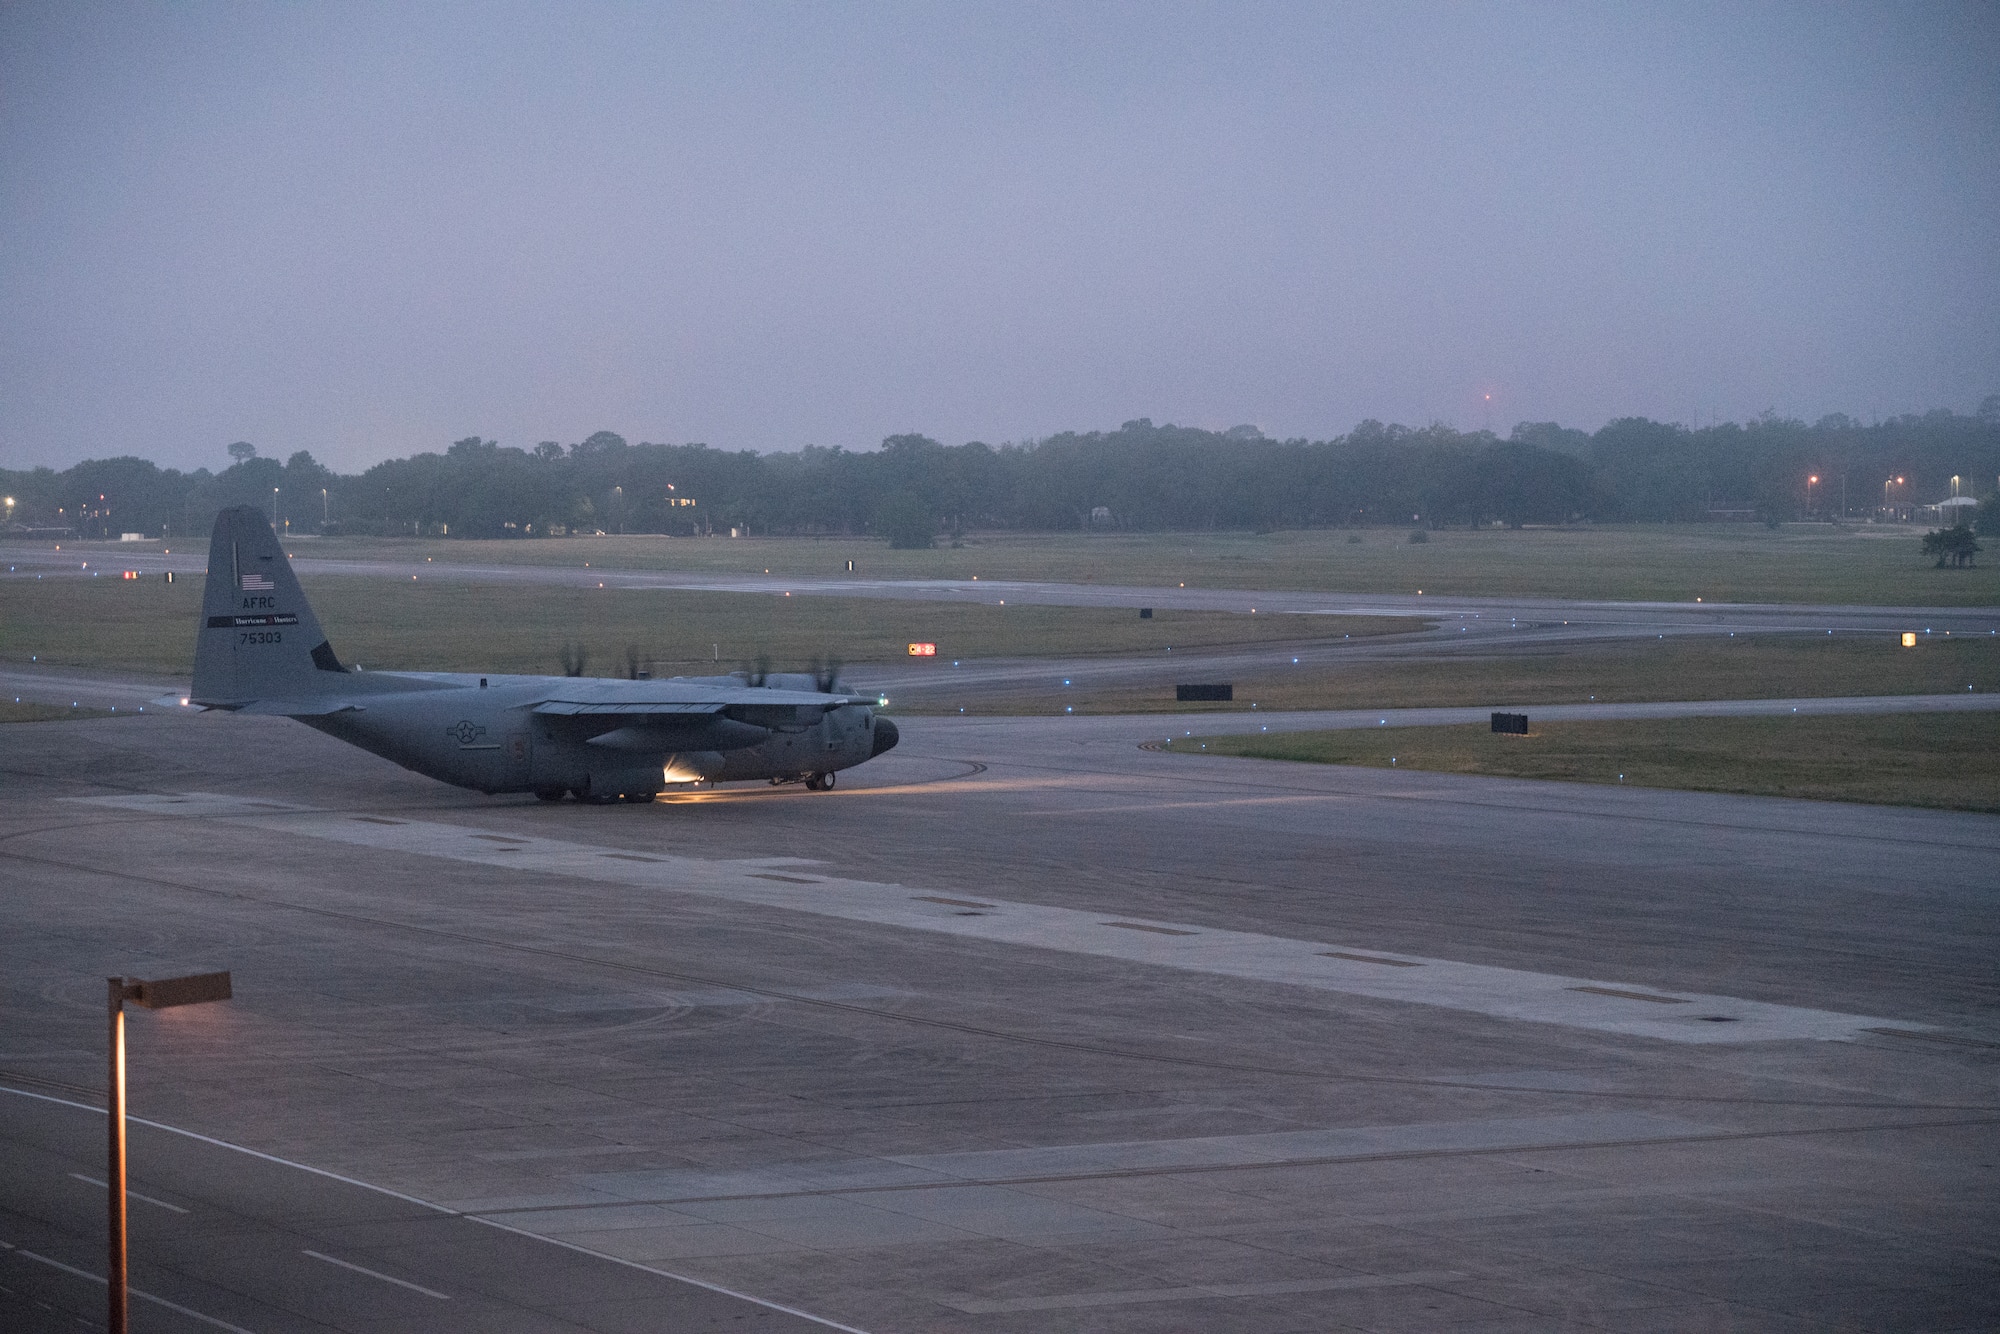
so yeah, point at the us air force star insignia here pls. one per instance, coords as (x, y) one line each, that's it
(466, 732)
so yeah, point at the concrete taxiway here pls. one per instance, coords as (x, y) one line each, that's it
(1498, 617)
(1023, 1027)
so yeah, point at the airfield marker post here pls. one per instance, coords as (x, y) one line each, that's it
(119, 1313)
(161, 995)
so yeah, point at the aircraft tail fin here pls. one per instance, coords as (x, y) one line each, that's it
(257, 638)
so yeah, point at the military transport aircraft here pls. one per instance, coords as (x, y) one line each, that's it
(259, 649)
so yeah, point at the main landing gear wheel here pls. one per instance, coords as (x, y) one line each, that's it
(820, 783)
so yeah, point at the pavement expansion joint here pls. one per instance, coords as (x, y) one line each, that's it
(1502, 993)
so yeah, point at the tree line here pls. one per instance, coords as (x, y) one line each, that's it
(1140, 476)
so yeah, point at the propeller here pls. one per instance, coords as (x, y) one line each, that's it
(574, 658)
(822, 673)
(632, 661)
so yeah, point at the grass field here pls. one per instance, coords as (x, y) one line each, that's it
(148, 626)
(1717, 562)
(1744, 667)
(436, 625)
(1909, 759)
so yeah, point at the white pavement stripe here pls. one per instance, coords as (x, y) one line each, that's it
(376, 1273)
(1504, 993)
(1073, 1301)
(921, 1173)
(129, 1193)
(702, 1283)
(411, 1199)
(86, 1275)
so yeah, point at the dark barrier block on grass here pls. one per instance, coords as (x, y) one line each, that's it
(1515, 723)
(1145, 613)
(1224, 690)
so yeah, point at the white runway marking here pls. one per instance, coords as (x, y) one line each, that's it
(129, 1194)
(915, 1172)
(1075, 1301)
(100, 1280)
(1604, 1004)
(360, 1269)
(623, 1261)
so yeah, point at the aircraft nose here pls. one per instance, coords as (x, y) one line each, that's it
(886, 737)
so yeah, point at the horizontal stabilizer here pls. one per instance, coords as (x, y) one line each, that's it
(301, 708)
(570, 708)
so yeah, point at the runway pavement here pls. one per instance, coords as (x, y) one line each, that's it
(1023, 1027)
(225, 1239)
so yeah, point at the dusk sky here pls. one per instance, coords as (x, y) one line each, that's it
(368, 230)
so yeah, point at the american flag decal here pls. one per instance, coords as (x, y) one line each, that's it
(255, 583)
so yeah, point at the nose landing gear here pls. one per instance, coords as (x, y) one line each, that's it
(811, 782)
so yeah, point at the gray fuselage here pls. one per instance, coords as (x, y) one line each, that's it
(489, 738)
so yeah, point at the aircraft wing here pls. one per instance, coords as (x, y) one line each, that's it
(667, 699)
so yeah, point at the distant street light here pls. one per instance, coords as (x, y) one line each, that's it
(274, 507)
(1811, 482)
(322, 507)
(161, 995)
